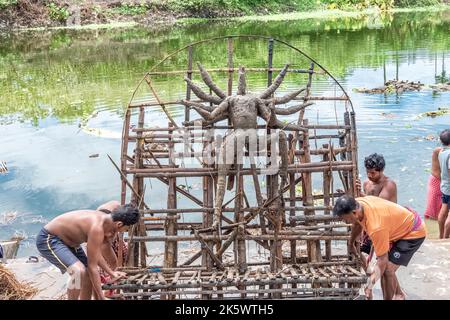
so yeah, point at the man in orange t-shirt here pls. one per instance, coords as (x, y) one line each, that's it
(395, 231)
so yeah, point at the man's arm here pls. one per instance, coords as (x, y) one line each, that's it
(95, 240)
(380, 240)
(435, 167)
(356, 231)
(105, 266)
(361, 192)
(378, 271)
(109, 255)
(389, 191)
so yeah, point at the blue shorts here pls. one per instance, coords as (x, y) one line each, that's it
(446, 199)
(57, 252)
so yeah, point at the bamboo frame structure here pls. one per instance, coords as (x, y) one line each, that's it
(288, 212)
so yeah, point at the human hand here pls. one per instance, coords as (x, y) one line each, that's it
(352, 250)
(117, 275)
(368, 293)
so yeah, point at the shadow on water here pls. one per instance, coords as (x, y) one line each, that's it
(51, 82)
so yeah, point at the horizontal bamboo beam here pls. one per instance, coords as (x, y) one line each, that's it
(245, 237)
(309, 71)
(190, 128)
(165, 155)
(318, 280)
(248, 209)
(290, 168)
(314, 218)
(245, 172)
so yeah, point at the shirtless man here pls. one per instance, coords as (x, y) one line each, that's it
(377, 184)
(386, 223)
(59, 242)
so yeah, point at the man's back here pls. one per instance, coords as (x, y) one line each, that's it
(73, 227)
(388, 218)
(444, 162)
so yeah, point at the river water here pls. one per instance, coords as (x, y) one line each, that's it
(52, 81)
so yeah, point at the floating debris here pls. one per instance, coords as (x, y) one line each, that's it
(440, 87)
(3, 167)
(439, 112)
(388, 115)
(104, 133)
(84, 122)
(431, 137)
(394, 86)
(8, 218)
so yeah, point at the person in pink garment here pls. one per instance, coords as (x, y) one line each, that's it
(434, 195)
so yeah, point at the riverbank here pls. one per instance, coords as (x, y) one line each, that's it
(45, 14)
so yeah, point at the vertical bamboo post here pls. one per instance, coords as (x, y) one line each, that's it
(124, 151)
(239, 217)
(349, 156)
(134, 250)
(208, 201)
(239, 244)
(327, 176)
(354, 148)
(313, 247)
(170, 253)
(123, 163)
(292, 201)
(292, 198)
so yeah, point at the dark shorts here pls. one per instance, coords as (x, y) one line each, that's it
(446, 199)
(366, 245)
(57, 252)
(403, 250)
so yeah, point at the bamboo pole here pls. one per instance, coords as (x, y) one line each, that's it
(327, 176)
(312, 247)
(192, 128)
(292, 203)
(171, 249)
(163, 238)
(174, 72)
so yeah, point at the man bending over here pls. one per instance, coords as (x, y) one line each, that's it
(395, 231)
(59, 242)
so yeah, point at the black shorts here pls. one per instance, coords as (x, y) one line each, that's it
(366, 245)
(57, 252)
(403, 250)
(446, 199)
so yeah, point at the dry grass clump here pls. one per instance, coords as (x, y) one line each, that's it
(11, 288)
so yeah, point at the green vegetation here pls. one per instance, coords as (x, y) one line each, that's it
(22, 13)
(57, 13)
(7, 3)
(131, 9)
